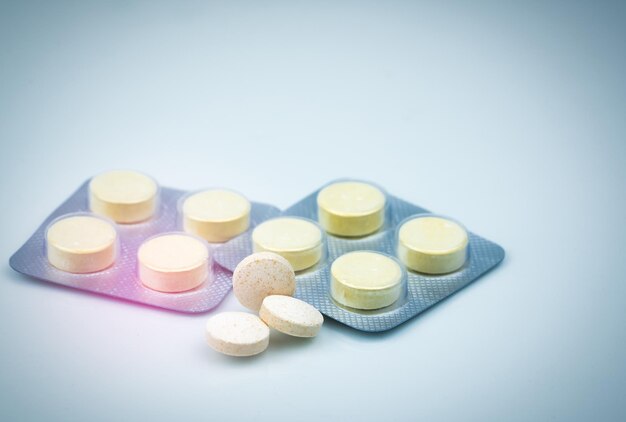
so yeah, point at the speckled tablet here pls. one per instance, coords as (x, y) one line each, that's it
(291, 316)
(237, 334)
(260, 275)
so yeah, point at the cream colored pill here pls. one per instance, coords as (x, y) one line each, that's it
(216, 215)
(351, 208)
(291, 316)
(81, 244)
(123, 196)
(237, 334)
(432, 245)
(173, 263)
(262, 274)
(365, 280)
(297, 240)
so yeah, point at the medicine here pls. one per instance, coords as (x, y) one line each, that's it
(365, 280)
(297, 240)
(291, 316)
(237, 334)
(351, 209)
(173, 263)
(123, 196)
(262, 274)
(216, 215)
(432, 245)
(81, 244)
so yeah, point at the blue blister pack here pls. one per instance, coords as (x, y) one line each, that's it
(419, 291)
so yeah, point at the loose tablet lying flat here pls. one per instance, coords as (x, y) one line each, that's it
(291, 316)
(237, 334)
(365, 280)
(173, 263)
(216, 215)
(432, 245)
(297, 240)
(351, 208)
(123, 196)
(260, 275)
(81, 244)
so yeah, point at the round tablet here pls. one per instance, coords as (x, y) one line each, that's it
(173, 263)
(260, 275)
(216, 215)
(432, 245)
(81, 244)
(297, 240)
(365, 280)
(237, 334)
(123, 196)
(351, 208)
(291, 316)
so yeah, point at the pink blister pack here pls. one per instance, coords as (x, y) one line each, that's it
(120, 280)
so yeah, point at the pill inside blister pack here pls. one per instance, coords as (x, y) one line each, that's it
(383, 260)
(122, 235)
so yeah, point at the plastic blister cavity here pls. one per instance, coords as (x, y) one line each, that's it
(81, 243)
(120, 280)
(124, 196)
(368, 282)
(431, 244)
(305, 260)
(299, 240)
(216, 214)
(174, 262)
(351, 208)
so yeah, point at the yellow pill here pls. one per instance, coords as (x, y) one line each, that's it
(81, 244)
(123, 196)
(432, 245)
(365, 280)
(351, 209)
(297, 240)
(216, 215)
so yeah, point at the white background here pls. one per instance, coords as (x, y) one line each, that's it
(509, 118)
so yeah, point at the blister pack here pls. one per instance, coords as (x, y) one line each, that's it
(121, 235)
(375, 260)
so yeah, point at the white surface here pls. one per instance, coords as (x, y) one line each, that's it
(509, 118)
